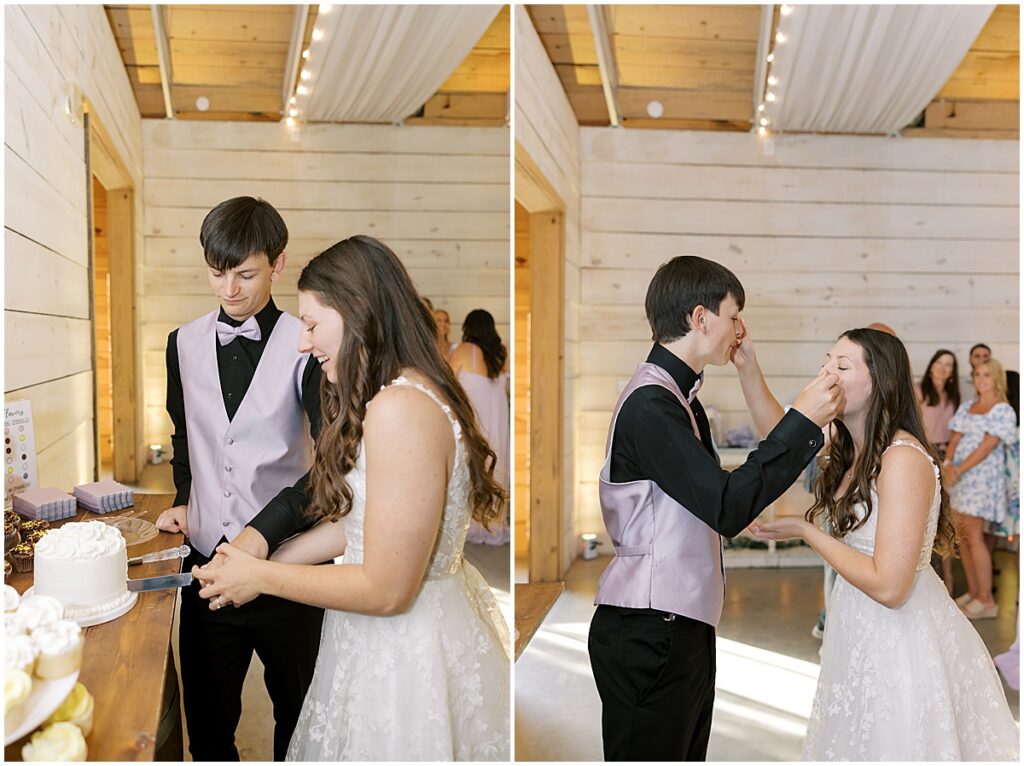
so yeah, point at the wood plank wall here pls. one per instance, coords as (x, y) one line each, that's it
(830, 232)
(438, 196)
(546, 128)
(521, 414)
(48, 339)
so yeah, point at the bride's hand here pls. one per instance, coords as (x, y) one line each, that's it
(743, 355)
(233, 581)
(786, 528)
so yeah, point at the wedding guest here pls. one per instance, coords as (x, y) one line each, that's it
(904, 676)
(666, 503)
(242, 400)
(444, 326)
(939, 397)
(981, 353)
(975, 468)
(480, 362)
(414, 660)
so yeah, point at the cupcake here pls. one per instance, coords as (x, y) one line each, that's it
(60, 649)
(11, 599)
(14, 624)
(30, 524)
(11, 536)
(37, 611)
(10, 517)
(20, 652)
(76, 709)
(57, 742)
(33, 536)
(21, 556)
(17, 686)
(7, 570)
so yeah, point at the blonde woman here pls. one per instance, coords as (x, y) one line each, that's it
(975, 471)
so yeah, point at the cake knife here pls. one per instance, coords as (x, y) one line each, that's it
(159, 583)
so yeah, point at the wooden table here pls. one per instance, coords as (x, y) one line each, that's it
(126, 660)
(533, 602)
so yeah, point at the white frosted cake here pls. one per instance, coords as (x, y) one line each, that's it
(84, 565)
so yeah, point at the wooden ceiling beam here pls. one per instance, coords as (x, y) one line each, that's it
(605, 62)
(294, 59)
(163, 55)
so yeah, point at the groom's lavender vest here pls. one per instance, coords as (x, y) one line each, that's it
(665, 557)
(239, 466)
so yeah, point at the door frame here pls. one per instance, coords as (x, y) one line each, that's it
(104, 162)
(547, 362)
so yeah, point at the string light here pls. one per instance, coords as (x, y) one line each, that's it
(764, 121)
(762, 131)
(771, 57)
(780, 38)
(318, 34)
(290, 122)
(305, 53)
(293, 112)
(769, 96)
(302, 90)
(786, 10)
(772, 80)
(760, 108)
(305, 74)
(326, 8)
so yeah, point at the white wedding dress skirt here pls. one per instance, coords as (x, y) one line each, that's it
(430, 684)
(914, 683)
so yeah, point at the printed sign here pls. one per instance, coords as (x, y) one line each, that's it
(19, 449)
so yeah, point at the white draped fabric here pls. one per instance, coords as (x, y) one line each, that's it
(866, 68)
(380, 63)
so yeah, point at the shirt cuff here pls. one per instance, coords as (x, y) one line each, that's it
(799, 433)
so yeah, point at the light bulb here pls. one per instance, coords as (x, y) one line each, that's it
(780, 38)
(291, 100)
(318, 34)
(786, 10)
(764, 120)
(293, 112)
(769, 96)
(326, 8)
(772, 80)
(760, 108)
(305, 74)
(771, 57)
(762, 131)
(302, 90)
(290, 122)
(305, 53)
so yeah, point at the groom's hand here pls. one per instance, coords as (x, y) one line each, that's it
(822, 399)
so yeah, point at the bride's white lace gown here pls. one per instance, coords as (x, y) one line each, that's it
(431, 684)
(914, 683)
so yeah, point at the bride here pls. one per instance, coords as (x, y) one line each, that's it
(414, 653)
(904, 675)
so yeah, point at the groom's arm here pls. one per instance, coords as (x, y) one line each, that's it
(654, 440)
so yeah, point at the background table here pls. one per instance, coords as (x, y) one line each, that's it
(533, 602)
(126, 661)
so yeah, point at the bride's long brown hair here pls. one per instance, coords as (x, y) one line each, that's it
(891, 406)
(387, 328)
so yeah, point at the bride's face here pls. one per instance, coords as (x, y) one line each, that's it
(322, 331)
(846, 359)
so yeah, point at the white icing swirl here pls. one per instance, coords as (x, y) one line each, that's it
(57, 742)
(17, 685)
(82, 541)
(19, 652)
(58, 637)
(40, 610)
(11, 599)
(14, 625)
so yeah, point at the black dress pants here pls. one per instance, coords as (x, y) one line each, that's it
(656, 676)
(215, 649)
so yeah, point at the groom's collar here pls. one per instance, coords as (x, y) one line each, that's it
(688, 381)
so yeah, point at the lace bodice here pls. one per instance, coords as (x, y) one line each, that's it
(447, 556)
(863, 539)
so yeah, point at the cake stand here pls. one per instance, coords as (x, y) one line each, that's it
(98, 619)
(45, 697)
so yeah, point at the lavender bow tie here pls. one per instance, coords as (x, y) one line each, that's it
(696, 388)
(248, 329)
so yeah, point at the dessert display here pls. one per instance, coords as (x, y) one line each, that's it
(84, 565)
(77, 709)
(17, 686)
(57, 742)
(21, 556)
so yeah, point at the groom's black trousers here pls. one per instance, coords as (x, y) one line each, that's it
(215, 649)
(656, 676)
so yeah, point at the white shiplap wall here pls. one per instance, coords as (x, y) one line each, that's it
(827, 233)
(438, 196)
(48, 342)
(546, 127)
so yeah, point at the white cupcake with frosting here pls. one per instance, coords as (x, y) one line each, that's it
(20, 652)
(14, 625)
(60, 649)
(11, 599)
(57, 742)
(37, 611)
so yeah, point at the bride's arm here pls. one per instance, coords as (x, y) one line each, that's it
(409, 448)
(764, 407)
(905, 487)
(323, 542)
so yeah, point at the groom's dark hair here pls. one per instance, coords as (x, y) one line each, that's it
(240, 227)
(682, 284)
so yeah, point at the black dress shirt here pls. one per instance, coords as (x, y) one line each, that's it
(654, 440)
(236, 363)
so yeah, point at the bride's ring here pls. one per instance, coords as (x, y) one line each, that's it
(219, 602)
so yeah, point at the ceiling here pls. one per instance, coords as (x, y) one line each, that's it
(236, 57)
(699, 62)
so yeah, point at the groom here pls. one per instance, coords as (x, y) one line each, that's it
(239, 394)
(666, 503)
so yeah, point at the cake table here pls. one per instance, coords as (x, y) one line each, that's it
(126, 661)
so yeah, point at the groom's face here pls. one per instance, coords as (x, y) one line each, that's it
(725, 330)
(245, 289)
